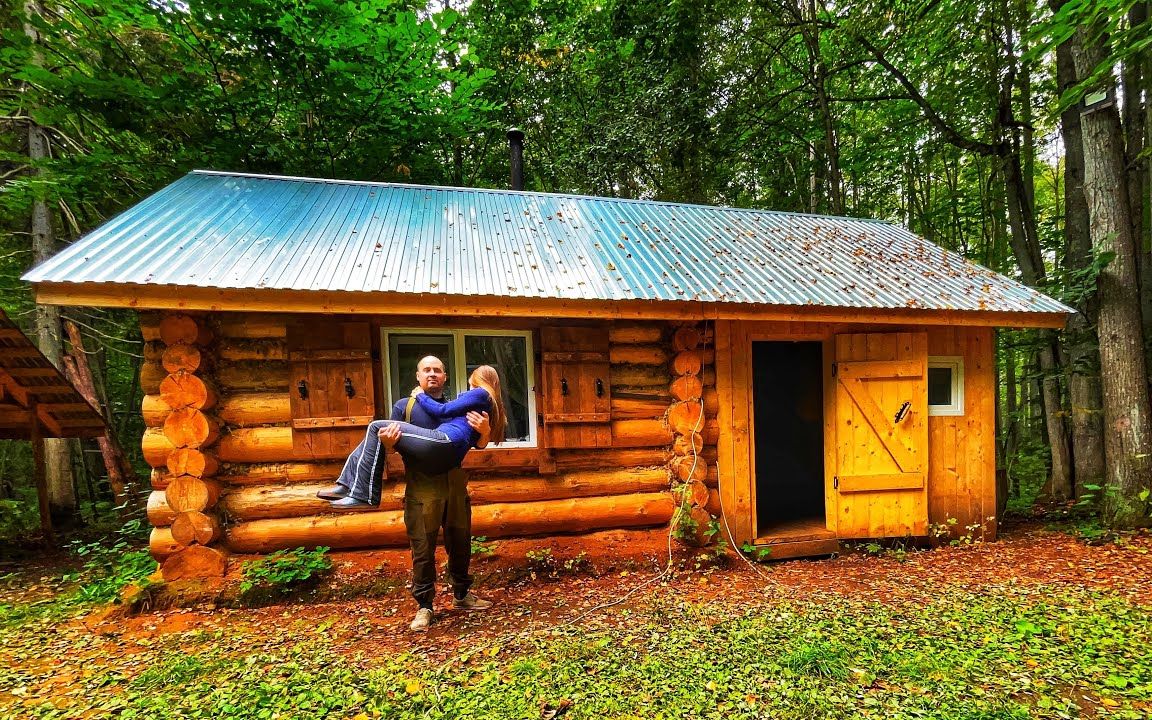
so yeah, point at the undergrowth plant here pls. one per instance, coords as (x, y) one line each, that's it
(759, 554)
(285, 571)
(481, 546)
(109, 567)
(541, 561)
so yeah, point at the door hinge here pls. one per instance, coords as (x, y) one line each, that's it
(835, 482)
(834, 369)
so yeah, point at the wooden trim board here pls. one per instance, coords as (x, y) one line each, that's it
(391, 303)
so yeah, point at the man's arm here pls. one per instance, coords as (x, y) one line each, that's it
(479, 422)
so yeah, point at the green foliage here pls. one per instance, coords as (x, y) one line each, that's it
(109, 567)
(684, 526)
(1007, 651)
(19, 515)
(1028, 469)
(285, 571)
(541, 561)
(481, 546)
(578, 563)
(761, 554)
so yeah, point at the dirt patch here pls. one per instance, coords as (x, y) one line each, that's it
(544, 582)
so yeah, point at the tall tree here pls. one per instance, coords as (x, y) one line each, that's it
(49, 331)
(1084, 392)
(997, 52)
(1127, 413)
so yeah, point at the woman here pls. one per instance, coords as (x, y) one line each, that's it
(432, 451)
(444, 447)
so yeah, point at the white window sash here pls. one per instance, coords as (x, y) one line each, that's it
(460, 367)
(955, 363)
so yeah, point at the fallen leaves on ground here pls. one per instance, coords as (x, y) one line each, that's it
(1038, 624)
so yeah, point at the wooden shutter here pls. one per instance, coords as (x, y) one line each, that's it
(326, 357)
(881, 435)
(575, 391)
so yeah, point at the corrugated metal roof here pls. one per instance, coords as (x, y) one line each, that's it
(222, 230)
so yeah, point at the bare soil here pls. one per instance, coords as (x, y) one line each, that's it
(543, 582)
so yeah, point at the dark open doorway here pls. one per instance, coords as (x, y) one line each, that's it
(788, 410)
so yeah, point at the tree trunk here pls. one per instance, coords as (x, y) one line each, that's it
(1134, 119)
(121, 477)
(811, 33)
(1012, 425)
(1083, 352)
(1026, 247)
(57, 452)
(1002, 483)
(1124, 376)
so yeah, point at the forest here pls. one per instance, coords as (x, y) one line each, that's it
(1018, 134)
(1015, 133)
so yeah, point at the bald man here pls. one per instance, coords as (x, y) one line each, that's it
(432, 500)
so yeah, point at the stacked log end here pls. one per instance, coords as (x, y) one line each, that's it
(692, 417)
(179, 443)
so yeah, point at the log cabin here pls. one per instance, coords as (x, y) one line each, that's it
(794, 379)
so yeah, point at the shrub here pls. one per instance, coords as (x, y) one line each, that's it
(480, 546)
(110, 567)
(285, 571)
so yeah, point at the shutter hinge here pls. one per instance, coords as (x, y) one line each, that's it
(835, 482)
(834, 369)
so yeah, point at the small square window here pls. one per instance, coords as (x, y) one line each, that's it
(945, 386)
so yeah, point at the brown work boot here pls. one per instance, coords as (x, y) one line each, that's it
(471, 602)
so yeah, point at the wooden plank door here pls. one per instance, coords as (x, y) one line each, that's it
(575, 391)
(331, 385)
(880, 455)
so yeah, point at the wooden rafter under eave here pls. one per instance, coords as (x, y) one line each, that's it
(165, 297)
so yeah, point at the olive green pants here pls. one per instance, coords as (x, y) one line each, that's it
(432, 502)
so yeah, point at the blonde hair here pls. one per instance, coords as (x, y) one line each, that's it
(485, 376)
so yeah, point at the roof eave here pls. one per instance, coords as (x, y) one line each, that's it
(168, 297)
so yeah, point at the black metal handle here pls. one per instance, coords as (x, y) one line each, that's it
(563, 386)
(599, 387)
(903, 411)
(302, 388)
(348, 389)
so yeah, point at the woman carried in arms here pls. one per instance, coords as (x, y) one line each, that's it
(431, 451)
(444, 447)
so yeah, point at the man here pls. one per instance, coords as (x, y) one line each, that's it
(431, 501)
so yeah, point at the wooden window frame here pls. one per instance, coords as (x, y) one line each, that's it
(955, 363)
(460, 368)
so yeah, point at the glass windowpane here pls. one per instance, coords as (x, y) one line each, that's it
(405, 351)
(509, 355)
(939, 386)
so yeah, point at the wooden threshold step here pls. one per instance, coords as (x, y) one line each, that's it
(801, 548)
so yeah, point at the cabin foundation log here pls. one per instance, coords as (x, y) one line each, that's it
(386, 528)
(260, 502)
(193, 562)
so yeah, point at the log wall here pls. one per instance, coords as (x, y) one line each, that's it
(262, 489)
(693, 418)
(182, 430)
(229, 478)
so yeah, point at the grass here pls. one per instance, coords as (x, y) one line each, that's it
(1001, 652)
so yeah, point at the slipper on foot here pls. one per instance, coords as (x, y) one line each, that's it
(333, 493)
(351, 503)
